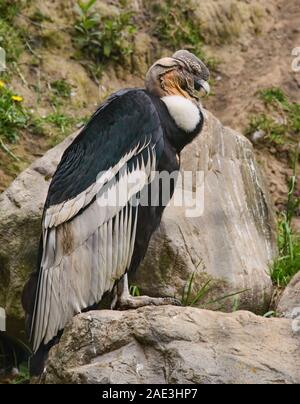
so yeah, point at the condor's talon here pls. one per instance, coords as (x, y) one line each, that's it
(124, 301)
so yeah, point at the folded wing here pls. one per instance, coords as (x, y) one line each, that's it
(90, 217)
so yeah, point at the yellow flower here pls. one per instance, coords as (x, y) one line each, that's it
(2, 84)
(17, 98)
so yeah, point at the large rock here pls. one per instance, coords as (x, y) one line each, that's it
(233, 242)
(175, 345)
(289, 304)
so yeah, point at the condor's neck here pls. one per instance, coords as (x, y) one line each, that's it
(181, 119)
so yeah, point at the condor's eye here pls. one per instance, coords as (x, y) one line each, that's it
(197, 85)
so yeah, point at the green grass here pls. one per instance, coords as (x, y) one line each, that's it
(61, 88)
(280, 123)
(274, 131)
(61, 91)
(13, 116)
(288, 262)
(273, 95)
(60, 120)
(134, 291)
(103, 39)
(23, 377)
(287, 265)
(10, 41)
(10, 8)
(175, 28)
(191, 299)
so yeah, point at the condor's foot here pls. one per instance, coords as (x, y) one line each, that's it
(124, 301)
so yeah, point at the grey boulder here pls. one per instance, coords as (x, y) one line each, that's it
(232, 242)
(173, 345)
(289, 303)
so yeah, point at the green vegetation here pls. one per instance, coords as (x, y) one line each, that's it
(103, 39)
(273, 131)
(12, 352)
(288, 263)
(10, 8)
(10, 41)
(13, 117)
(280, 124)
(175, 28)
(134, 291)
(190, 299)
(61, 88)
(59, 120)
(281, 121)
(23, 376)
(273, 95)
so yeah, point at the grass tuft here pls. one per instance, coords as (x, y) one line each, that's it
(280, 124)
(191, 299)
(13, 116)
(288, 263)
(175, 28)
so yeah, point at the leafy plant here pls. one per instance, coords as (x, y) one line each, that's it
(134, 291)
(13, 117)
(103, 39)
(288, 263)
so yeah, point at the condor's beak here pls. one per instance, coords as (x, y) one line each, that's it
(201, 84)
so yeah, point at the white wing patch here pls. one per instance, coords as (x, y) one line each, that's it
(83, 257)
(62, 212)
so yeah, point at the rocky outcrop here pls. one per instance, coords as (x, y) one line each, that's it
(175, 345)
(232, 242)
(289, 304)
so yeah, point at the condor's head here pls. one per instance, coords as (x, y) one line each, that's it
(181, 75)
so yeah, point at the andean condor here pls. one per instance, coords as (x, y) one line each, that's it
(87, 248)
